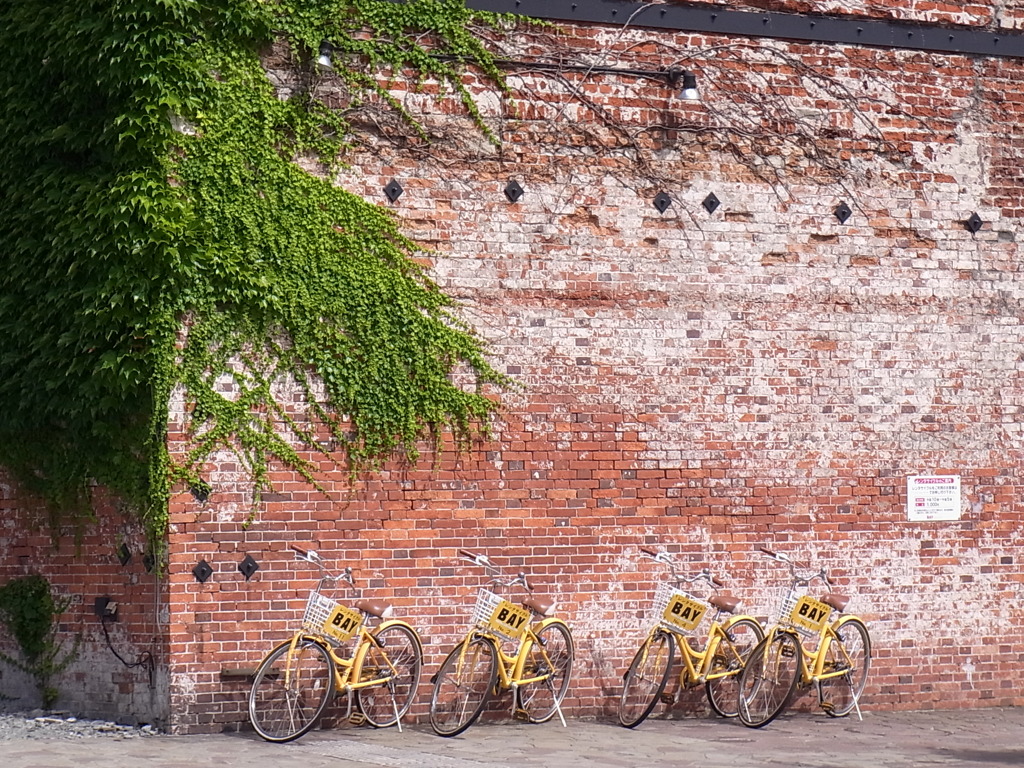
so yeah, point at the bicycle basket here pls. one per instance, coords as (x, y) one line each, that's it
(326, 617)
(498, 616)
(678, 611)
(810, 616)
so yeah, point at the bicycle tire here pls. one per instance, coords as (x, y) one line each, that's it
(463, 685)
(384, 705)
(731, 656)
(850, 649)
(553, 654)
(769, 678)
(646, 678)
(281, 711)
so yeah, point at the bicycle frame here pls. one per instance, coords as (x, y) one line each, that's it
(697, 663)
(512, 667)
(348, 670)
(813, 658)
(346, 667)
(518, 646)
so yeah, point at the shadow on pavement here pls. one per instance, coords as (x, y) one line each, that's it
(985, 756)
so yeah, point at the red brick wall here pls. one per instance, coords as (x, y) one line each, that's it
(704, 383)
(96, 683)
(983, 13)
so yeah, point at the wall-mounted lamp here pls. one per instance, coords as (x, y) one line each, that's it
(324, 59)
(686, 80)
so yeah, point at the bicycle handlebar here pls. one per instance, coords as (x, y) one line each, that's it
(314, 557)
(666, 558)
(485, 562)
(821, 573)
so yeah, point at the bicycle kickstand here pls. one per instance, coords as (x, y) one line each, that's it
(394, 706)
(558, 705)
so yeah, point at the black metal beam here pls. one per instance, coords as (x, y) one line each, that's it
(970, 41)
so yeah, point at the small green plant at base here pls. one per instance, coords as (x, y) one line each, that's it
(29, 611)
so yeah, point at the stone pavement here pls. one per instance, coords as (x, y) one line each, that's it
(987, 737)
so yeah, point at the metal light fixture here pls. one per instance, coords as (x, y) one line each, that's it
(689, 91)
(688, 80)
(324, 59)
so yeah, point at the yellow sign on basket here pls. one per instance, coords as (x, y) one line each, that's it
(684, 612)
(509, 619)
(810, 614)
(342, 623)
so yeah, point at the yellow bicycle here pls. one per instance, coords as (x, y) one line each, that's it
(716, 661)
(837, 663)
(334, 651)
(521, 647)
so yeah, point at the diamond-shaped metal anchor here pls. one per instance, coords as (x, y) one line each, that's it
(711, 203)
(662, 201)
(200, 491)
(149, 562)
(124, 555)
(393, 190)
(974, 223)
(513, 191)
(843, 212)
(202, 571)
(248, 567)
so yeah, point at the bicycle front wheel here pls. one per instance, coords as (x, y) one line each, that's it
(849, 651)
(723, 688)
(769, 679)
(394, 656)
(291, 690)
(646, 679)
(551, 654)
(463, 685)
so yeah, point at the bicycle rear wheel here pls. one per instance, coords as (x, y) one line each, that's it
(769, 678)
(730, 657)
(463, 685)
(646, 679)
(398, 658)
(291, 690)
(849, 650)
(551, 654)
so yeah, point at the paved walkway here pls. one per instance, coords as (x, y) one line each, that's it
(988, 737)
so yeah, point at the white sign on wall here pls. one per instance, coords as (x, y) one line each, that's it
(933, 497)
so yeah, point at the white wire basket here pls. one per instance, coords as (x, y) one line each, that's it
(487, 603)
(786, 605)
(690, 614)
(318, 610)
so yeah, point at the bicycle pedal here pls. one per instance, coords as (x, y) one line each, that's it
(667, 698)
(521, 715)
(357, 718)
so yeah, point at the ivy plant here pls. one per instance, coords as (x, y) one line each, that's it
(29, 611)
(160, 231)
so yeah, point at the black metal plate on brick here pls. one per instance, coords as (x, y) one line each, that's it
(248, 567)
(202, 571)
(513, 191)
(393, 190)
